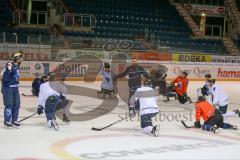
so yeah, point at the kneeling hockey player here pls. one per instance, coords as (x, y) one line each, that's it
(108, 85)
(51, 101)
(220, 99)
(181, 87)
(213, 119)
(206, 89)
(147, 97)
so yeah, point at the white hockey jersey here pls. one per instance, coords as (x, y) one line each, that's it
(219, 96)
(45, 91)
(147, 98)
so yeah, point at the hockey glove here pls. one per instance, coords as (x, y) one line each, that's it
(40, 109)
(187, 98)
(9, 66)
(185, 94)
(204, 91)
(62, 97)
(197, 124)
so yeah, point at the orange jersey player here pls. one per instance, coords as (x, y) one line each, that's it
(204, 110)
(181, 84)
(212, 118)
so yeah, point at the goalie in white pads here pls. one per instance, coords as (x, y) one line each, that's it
(147, 97)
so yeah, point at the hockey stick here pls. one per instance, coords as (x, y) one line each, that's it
(99, 129)
(189, 100)
(27, 95)
(185, 125)
(28, 117)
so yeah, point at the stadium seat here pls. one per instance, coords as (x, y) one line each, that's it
(120, 19)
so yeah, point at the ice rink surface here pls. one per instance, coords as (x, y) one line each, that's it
(124, 140)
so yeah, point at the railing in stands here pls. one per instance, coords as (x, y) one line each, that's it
(36, 17)
(79, 20)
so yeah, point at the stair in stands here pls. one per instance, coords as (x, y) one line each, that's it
(234, 14)
(185, 14)
(230, 46)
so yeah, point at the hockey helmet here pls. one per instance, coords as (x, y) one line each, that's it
(17, 57)
(185, 73)
(201, 98)
(211, 80)
(52, 76)
(44, 76)
(107, 65)
(147, 82)
(208, 75)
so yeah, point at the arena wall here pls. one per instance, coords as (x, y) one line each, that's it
(83, 64)
(91, 70)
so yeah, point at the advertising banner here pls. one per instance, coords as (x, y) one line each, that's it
(225, 59)
(152, 56)
(28, 56)
(196, 9)
(194, 57)
(92, 70)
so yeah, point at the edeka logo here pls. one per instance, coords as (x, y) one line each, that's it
(191, 58)
(228, 74)
(136, 146)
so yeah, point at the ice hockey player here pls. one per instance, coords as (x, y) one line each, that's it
(181, 84)
(134, 73)
(37, 83)
(158, 79)
(220, 99)
(11, 97)
(51, 101)
(58, 85)
(205, 90)
(147, 97)
(108, 85)
(213, 119)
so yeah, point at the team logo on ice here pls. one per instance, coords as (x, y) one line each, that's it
(137, 146)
